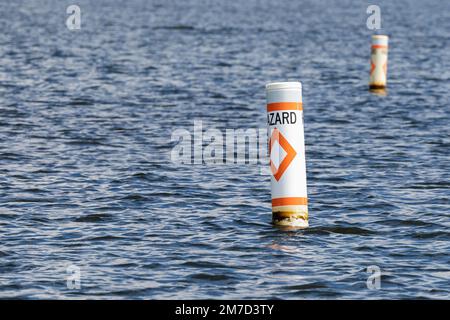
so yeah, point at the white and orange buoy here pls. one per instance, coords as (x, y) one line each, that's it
(378, 62)
(287, 154)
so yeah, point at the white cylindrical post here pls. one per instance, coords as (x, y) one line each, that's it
(287, 154)
(378, 62)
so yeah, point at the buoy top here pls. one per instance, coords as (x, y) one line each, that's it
(283, 85)
(284, 92)
(380, 40)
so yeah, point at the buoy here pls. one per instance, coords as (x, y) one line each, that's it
(287, 154)
(378, 62)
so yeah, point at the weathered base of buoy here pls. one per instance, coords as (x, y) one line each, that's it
(379, 90)
(377, 87)
(297, 218)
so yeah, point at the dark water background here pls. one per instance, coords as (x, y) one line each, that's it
(86, 178)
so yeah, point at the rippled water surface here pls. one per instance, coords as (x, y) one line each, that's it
(86, 179)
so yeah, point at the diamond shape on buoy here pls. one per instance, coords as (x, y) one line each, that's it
(372, 67)
(278, 171)
(277, 154)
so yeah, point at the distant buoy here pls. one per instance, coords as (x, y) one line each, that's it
(287, 154)
(378, 62)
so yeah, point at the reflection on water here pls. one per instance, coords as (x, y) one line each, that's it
(379, 92)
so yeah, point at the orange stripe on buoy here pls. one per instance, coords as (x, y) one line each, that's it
(292, 201)
(379, 46)
(279, 106)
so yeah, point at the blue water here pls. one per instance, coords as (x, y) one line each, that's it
(86, 178)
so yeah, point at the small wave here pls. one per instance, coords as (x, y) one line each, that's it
(210, 277)
(347, 230)
(180, 27)
(306, 286)
(204, 264)
(97, 217)
(442, 235)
